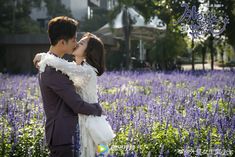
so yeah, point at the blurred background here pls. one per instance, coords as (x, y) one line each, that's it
(138, 34)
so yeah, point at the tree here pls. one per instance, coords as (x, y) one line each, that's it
(100, 18)
(166, 50)
(215, 8)
(169, 11)
(200, 50)
(127, 26)
(224, 49)
(14, 16)
(126, 21)
(228, 7)
(56, 8)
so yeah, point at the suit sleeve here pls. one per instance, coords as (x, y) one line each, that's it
(64, 87)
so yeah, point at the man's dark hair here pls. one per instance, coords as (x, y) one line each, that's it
(61, 27)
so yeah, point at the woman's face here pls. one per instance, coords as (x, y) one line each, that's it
(79, 52)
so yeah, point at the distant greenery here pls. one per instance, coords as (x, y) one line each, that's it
(15, 15)
(99, 19)
(165, 51)
(56, 8)
(170, 11)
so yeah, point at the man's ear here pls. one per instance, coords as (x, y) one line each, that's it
(61, 42)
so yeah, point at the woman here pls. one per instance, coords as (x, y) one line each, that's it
(89, 57)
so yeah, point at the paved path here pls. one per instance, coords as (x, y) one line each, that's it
(199, 67)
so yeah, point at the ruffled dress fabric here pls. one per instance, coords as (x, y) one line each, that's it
(93, 130)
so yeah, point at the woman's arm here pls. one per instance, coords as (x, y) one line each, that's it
(79, 74)
(37, 59)
(62, 86)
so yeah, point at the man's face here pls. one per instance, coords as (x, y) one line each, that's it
(70, 45)
(81, 47)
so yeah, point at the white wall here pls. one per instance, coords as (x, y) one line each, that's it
(39, 13)
(79, 9)
(67, 3)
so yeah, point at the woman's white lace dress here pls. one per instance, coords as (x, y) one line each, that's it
(94, 130)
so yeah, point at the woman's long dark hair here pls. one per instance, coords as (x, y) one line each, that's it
(95, 53)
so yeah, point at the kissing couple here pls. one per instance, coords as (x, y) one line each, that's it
(75, 125)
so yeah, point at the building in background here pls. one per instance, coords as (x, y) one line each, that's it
(18, 50)
(80, 9)
(100, 4)
(105, 4)
(40, 15)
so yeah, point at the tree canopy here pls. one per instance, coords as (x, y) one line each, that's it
(15, 15)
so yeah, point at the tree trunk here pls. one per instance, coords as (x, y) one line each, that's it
(126, 30)
(203, 57)
(222, 57)
(127, 43)
(192, 47)
(222, 53)
(212, 51)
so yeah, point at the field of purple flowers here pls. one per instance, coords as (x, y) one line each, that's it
(152, 113)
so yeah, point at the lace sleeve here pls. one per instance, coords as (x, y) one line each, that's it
(79, 74)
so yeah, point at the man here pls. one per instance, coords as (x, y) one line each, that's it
(61, 103)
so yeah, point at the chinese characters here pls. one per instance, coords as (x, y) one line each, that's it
(200, 24)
